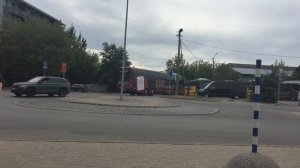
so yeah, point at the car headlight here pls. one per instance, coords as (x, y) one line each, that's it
(22, 86)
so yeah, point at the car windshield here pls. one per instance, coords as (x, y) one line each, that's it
(36, 79)
(208, 85)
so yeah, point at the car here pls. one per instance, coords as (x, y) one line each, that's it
(231, 89)
(42, 85)
(79, 88)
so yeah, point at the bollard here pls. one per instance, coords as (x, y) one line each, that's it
(257, 99)
(254, 159)
(1, 86)
(299, 98)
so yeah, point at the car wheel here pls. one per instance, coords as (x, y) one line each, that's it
(50, 94)
(62, 92)
(18, 94)
(206, 96)
(30, 92)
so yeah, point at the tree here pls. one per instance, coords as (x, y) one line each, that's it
(111, 61)
(198, 69)
(270, 83)
(225, 72)
(296, 74)
(178, 64)
(83, 65)
(24, 45)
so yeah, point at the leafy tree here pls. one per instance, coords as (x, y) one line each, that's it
(111, 61)
(225, 72)
(198, 69)
(296, 74)
(270, 83)
(83, 65)
(24, 45)
(178, 64)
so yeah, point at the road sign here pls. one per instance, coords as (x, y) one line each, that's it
(170, 72)
(45, 64)
(64, 68)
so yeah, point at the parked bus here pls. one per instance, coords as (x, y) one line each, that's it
(289, 90)
(148, 82)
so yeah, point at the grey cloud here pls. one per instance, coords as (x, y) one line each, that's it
(267, 26)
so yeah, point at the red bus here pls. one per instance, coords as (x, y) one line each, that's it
(148, 82)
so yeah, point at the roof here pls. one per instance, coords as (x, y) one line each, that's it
(250, 69)
(40, 11)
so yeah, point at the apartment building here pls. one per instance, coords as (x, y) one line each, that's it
(22, 10)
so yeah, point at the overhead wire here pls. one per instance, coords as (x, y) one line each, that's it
(189, 51)
(241, 51)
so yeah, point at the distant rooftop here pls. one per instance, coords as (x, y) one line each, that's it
(249, 69)
(39, 10)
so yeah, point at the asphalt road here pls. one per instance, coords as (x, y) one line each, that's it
(279, 125)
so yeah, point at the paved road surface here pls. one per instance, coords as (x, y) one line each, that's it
(279, 125)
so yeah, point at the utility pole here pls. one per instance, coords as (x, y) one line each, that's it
(179, 47)
(279, 80)
(123, 61)
(213, 61)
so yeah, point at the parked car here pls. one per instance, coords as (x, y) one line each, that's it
(79, 88)
(231, 89)
(42, 85)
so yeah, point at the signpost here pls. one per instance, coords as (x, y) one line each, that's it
(64, 69)
(45, 66)
(170, 72)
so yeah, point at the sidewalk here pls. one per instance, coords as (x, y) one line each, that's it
(24, 154)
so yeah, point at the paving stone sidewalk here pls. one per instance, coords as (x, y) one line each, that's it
(26, 154)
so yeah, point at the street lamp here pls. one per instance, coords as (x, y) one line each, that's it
(124, 55)
(213, 61)
(178, 54)
(279, 79)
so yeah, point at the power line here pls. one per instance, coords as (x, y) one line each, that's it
(241, 51)
(190, 51)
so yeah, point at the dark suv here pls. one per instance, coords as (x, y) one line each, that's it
(42, 85)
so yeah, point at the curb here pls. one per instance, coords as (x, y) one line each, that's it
(191, 98)
(74, 110)
(117, 105)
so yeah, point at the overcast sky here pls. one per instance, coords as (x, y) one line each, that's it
(269, 27)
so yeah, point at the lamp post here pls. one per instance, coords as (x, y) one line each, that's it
(213, 61)
(124, 55)
(279, 79)
(179, 46)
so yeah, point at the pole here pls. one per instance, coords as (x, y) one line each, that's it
(178, 54)
(124, 55)
(257, 98)
(213, 61)
(279, 79)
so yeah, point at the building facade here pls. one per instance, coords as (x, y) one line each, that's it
(22, 10)
(248, 71)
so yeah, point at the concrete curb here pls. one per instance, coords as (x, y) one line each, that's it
(118, 105)
(74, 110)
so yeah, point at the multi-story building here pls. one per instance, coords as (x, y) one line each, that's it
(22, 10)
